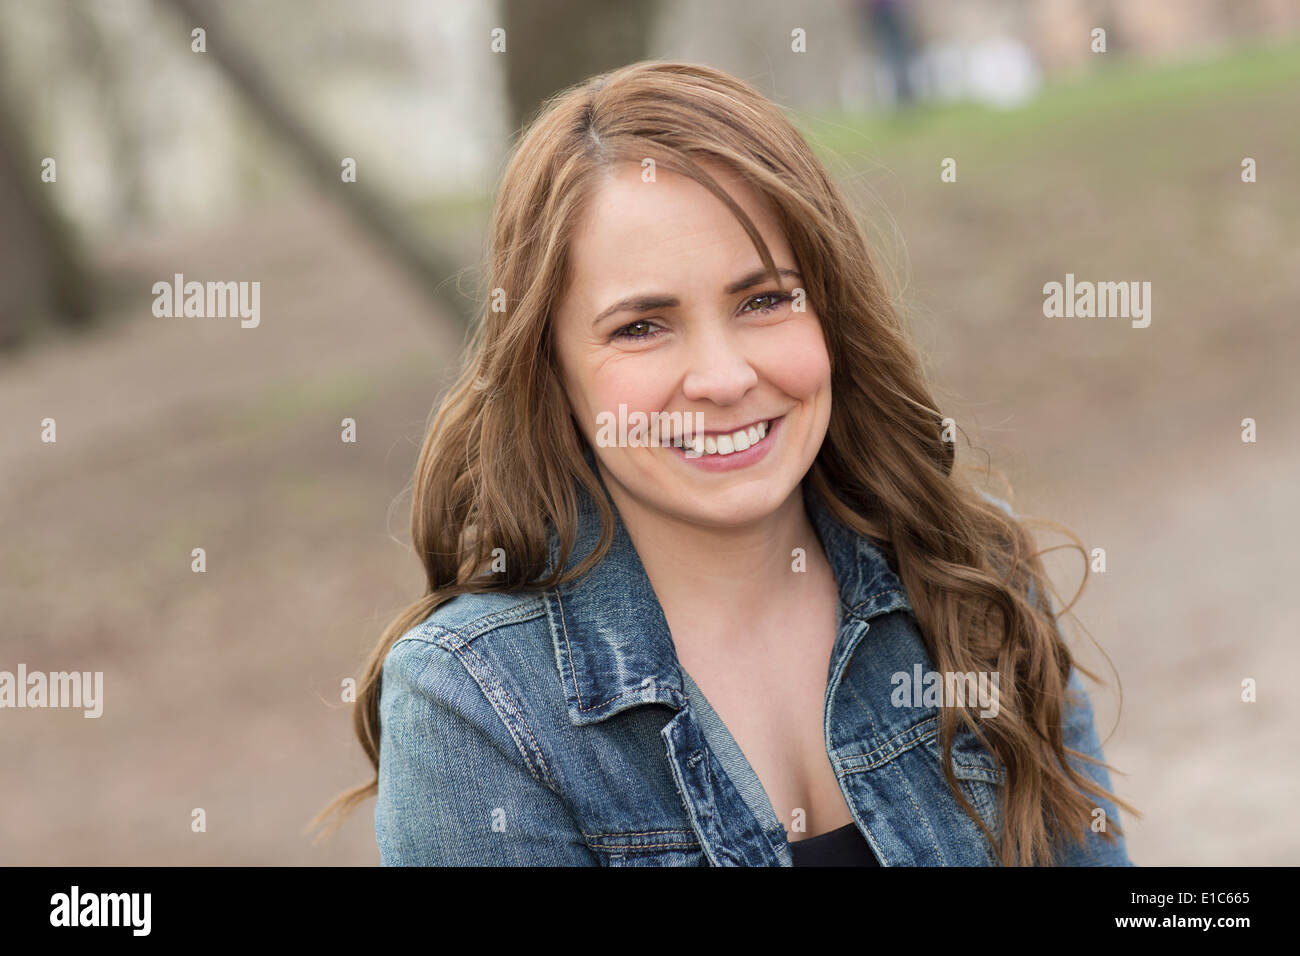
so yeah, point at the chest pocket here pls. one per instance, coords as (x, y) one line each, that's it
(977, 773)
(648, 848)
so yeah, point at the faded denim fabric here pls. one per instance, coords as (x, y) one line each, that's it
(558, 728)
(737, 768)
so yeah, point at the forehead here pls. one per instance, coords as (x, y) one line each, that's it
(633, 229)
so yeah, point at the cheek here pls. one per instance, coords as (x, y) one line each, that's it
(795, 357)
(641, 381)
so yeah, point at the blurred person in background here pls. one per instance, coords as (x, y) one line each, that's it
(886, 26)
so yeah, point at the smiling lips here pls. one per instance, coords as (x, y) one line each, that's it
(725, 443)
(716, 456)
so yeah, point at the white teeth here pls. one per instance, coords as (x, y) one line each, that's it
(727, 444)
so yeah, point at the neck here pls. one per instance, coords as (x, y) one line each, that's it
(722, 584)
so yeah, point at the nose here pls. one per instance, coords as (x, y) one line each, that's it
(717, 370)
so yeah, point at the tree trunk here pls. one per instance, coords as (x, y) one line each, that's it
(552, 45)
(381, 218)
(45, 279)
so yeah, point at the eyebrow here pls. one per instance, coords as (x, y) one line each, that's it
(648, 302)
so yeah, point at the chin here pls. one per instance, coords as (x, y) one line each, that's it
(730, 507)
(733, 517)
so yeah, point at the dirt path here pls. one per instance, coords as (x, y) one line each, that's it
(222, 689)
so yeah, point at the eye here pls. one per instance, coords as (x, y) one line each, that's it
(627, 335)
(777, 299)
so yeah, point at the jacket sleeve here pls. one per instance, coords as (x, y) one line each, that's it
(1079, 733)
(457, 785)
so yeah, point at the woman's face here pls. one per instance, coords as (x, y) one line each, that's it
(668, 310)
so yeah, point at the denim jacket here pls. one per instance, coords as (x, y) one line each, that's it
(559, 728)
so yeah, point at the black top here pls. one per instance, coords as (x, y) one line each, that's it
(843, 847)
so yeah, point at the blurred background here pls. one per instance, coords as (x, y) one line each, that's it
(133, 148)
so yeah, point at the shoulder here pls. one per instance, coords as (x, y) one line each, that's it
(468, 617)
(444, 655)
(468, 737)
(482, 661)
(487, 646)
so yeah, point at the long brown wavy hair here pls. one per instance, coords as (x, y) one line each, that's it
(483, 480)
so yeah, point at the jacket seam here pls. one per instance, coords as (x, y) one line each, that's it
(573, 670)
(685, 840)
(890, 753)
(921, 740)
(518, 714)
(920, 815)
(879, 594)
(568, 649)
(503, 706)
(904, 783)
(433, 633)
(615, 848)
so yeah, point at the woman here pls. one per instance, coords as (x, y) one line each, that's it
(770, 627)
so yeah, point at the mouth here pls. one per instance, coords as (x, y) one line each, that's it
(743, 444)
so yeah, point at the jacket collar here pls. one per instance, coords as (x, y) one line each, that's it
(612, 643)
